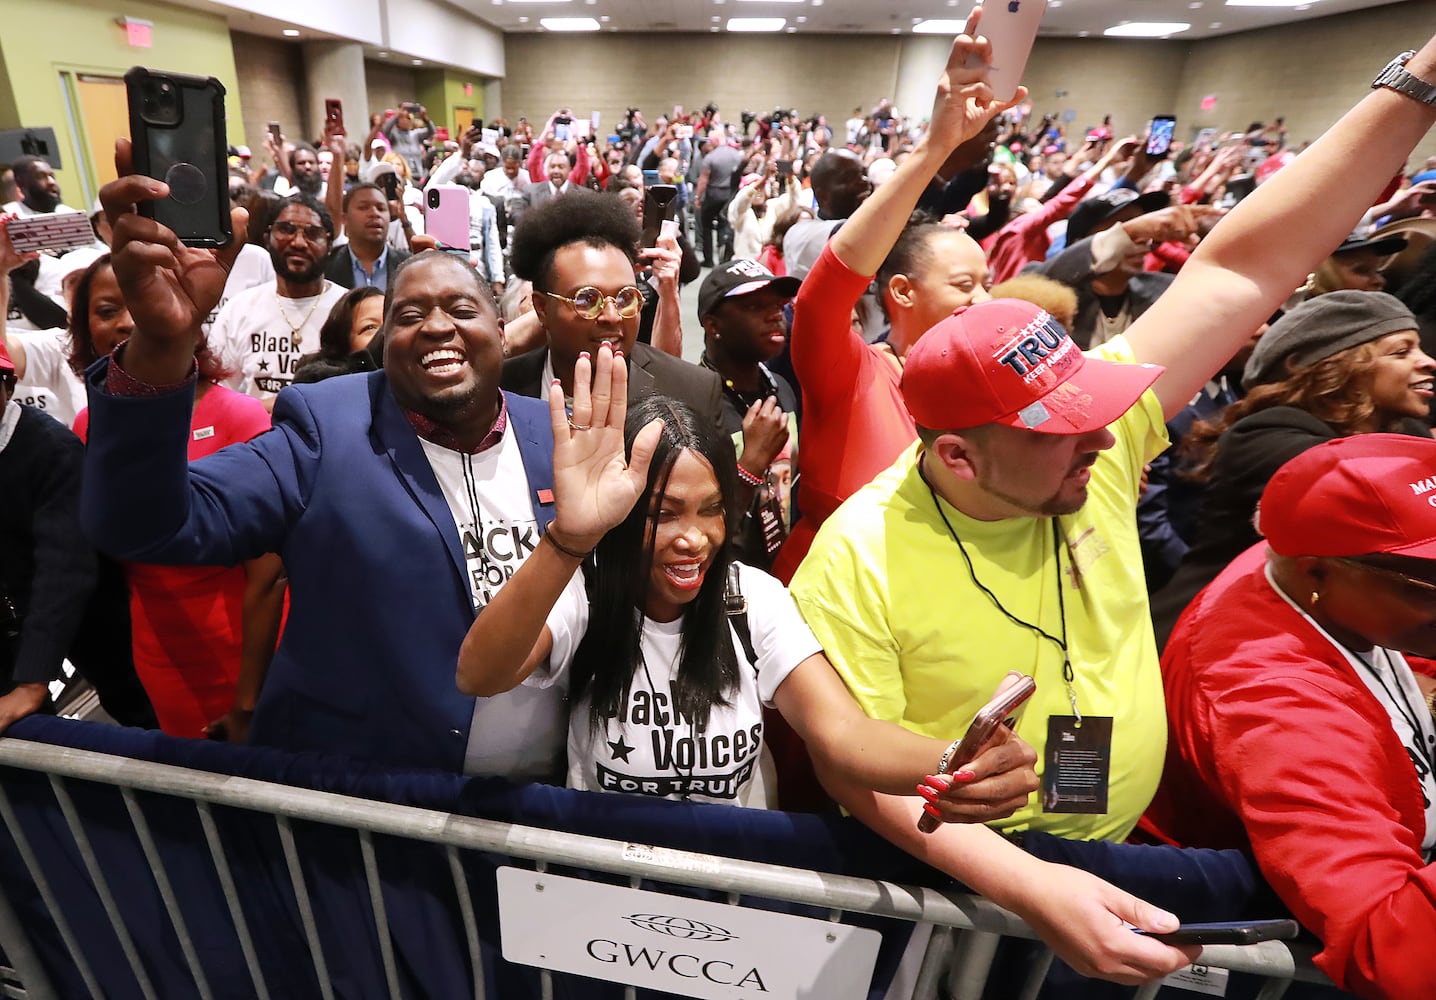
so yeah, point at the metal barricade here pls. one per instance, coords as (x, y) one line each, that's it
(958, 956)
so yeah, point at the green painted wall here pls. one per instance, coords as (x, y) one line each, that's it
(442, 90)
(81, 36)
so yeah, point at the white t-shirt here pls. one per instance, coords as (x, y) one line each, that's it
(255, 335)
(647, 750)
(518, 734)
(49, 384)
(48, 282)
(252, 268)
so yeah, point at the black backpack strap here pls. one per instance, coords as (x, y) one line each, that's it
(737, 607)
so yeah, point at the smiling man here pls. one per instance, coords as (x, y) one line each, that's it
(580, 254)
(422, 483)
(261, 333)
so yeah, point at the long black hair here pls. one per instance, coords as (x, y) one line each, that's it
(610, 655)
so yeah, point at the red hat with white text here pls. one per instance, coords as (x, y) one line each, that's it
(1354, 496)
(1008, 362)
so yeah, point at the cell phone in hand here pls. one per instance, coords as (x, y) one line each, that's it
(177, 136)
(333, 116)
(389, 184)
(1011, 26)
(660, 202)
(276, 132)
(1001, 710)
(785, 168)
(1228, 932)
(561, 131)
(1159, 136)
(446, 218)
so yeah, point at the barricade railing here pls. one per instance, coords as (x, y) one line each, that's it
(956, 963)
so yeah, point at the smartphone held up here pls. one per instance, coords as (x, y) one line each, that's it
(177, 135)
(1011, 26)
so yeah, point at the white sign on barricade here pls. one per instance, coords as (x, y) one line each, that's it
(689, 947)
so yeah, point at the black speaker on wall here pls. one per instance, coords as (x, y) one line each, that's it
(18, 142)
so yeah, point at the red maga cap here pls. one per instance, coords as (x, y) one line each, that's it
(1008, 362)
(1355, 496)
(6, 365)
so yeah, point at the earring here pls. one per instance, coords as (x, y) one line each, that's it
(1315, 598)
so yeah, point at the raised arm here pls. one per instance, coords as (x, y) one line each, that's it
(961, 109)
(594, 489)
(1266, 247)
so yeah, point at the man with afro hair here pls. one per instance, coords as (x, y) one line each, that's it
(580, 252)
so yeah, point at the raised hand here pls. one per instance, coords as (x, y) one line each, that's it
(964, 102)
(168, 287)
(594, 488)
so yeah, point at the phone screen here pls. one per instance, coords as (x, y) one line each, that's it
(1159, 139)
(560, 131)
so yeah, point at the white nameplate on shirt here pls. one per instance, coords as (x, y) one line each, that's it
(204, 433)
(1200, 979)
(689, 947)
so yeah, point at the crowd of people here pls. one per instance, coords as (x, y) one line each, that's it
(1149, 425)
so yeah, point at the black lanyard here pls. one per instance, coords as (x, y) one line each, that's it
(1068, 674)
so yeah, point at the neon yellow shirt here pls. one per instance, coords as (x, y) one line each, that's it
(888, 594)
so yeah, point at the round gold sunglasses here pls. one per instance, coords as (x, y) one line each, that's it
(588, 302)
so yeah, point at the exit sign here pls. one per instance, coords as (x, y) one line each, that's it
(138, 32)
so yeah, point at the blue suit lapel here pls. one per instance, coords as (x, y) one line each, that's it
(396, 436)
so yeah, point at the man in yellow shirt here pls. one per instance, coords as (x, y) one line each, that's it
(903, 614)
(990, 548)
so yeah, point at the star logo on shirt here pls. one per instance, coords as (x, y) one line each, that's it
(620, 749)
(264, 366)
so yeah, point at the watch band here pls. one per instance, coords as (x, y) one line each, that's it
(1396, 77)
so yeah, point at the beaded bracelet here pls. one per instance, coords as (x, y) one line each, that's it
(747, 477)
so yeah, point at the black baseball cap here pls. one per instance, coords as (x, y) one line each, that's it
(740, 276)
(1092, 212)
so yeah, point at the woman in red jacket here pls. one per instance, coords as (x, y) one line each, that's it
(1298, 730)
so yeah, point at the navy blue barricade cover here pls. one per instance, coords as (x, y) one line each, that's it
(426, 928)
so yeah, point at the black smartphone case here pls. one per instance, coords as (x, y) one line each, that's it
(190, 156)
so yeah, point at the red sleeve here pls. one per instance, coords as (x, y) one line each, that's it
(1190, 195)
(826, 353)
(535, 162)
(1168, 257)
(82, 424)
(1315, 786)
(580, 166)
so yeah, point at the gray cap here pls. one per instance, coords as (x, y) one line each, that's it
(1323, 326)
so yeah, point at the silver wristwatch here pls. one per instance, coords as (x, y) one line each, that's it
(1394, 77)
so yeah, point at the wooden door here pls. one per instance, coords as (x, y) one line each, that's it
(104, 117)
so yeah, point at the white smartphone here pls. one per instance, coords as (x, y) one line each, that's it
(64, 231)
(1011, 26)
(446, 218)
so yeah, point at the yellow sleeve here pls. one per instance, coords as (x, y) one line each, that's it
(842, 596)
(1141, 432)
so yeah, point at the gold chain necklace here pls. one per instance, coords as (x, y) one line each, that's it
(294, 335)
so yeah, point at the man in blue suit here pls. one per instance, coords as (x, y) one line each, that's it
(399, 500)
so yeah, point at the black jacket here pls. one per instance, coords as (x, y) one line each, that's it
(339, 265)
(47, 568)
(1248, 454)
(650, 372)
